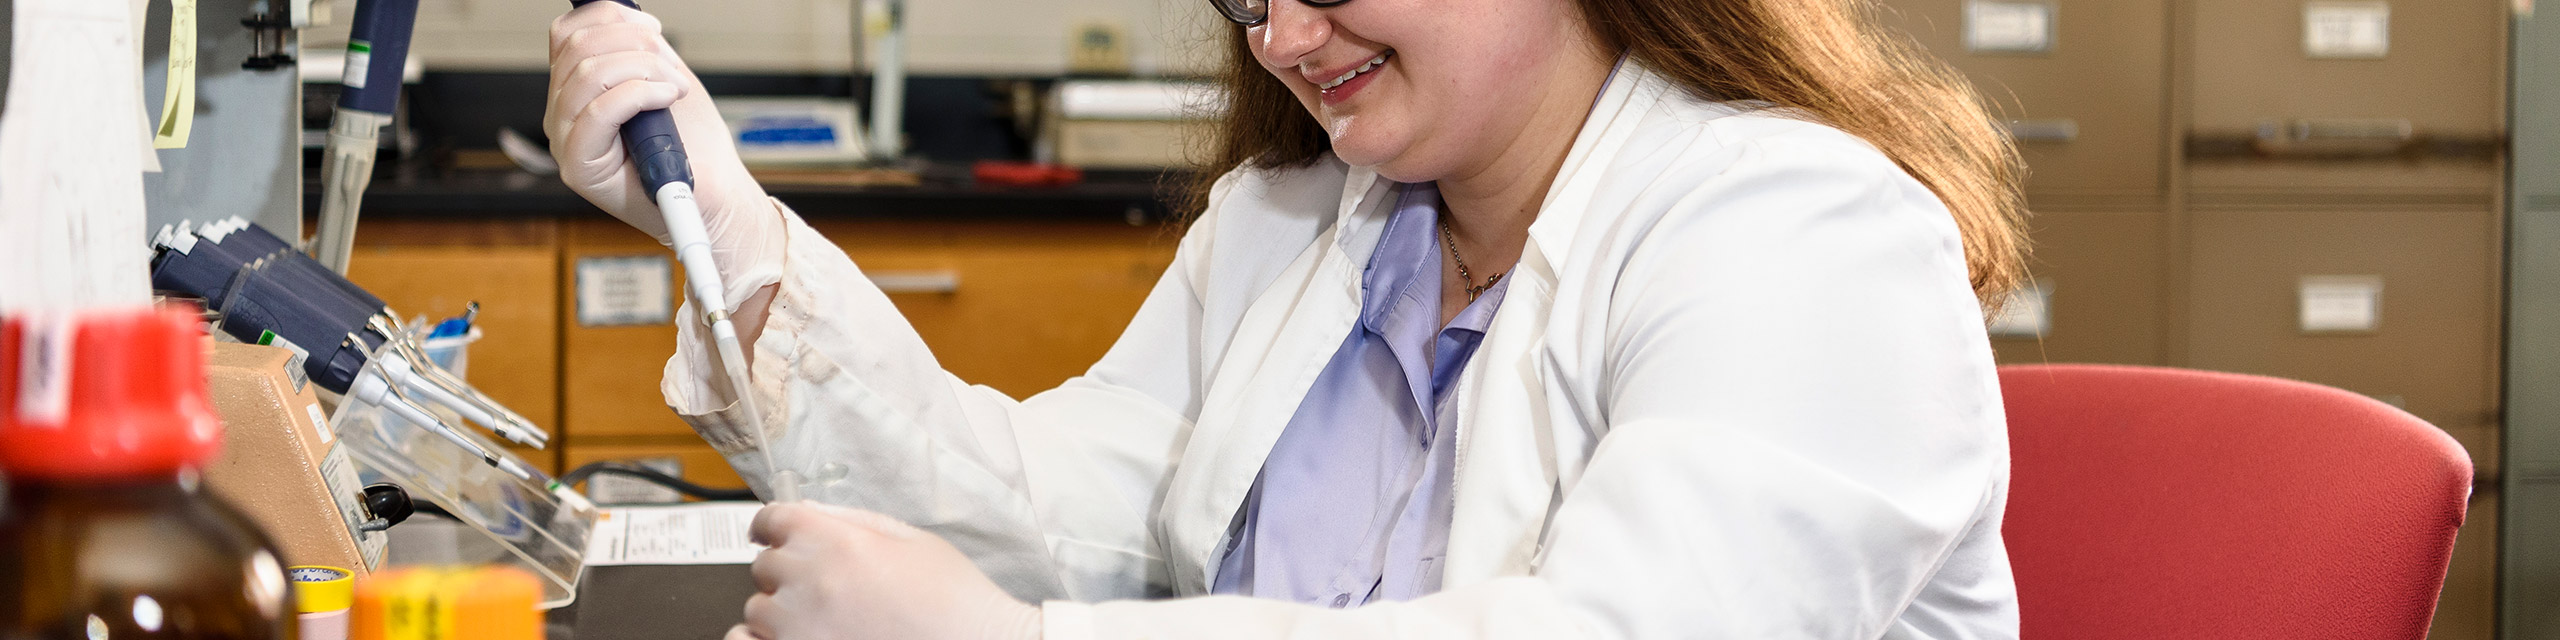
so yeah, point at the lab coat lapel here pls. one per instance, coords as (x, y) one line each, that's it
(1281, 344)
(1513, 420)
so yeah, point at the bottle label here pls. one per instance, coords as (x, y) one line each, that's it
(44, 369)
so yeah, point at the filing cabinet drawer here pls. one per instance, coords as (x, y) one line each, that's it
(2104, 74)
(2103, 272)
(2434, 347)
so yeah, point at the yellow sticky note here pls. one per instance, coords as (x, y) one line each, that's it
(178, 102)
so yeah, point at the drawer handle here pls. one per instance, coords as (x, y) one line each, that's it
(937, 281)
(2044, 130)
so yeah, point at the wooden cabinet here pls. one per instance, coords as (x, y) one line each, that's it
(435, 268)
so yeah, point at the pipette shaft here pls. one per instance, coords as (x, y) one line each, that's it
(658, 153)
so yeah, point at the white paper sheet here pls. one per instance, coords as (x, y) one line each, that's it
(71, 159)
(699, 533)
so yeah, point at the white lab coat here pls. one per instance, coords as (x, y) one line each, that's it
(1740, 388)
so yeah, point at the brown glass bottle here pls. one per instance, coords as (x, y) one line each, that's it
(103, 415)
(140, 559)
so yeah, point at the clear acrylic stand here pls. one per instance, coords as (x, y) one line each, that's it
(529, 522)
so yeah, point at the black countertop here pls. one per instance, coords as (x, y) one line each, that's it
(945, 193)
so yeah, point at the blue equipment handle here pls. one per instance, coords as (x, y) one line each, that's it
(650, 137)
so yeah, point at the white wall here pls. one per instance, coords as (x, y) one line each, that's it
(994, 37)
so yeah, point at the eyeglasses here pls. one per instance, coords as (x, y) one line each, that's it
(1253, 12)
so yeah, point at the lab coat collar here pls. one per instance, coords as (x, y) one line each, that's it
(1298, 326)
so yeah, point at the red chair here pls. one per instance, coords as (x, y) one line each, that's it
(2166, 503)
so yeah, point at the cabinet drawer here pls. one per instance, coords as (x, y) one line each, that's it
(2103, 273)
(2103, 74)
(1016, 306)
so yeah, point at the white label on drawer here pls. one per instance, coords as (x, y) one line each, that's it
(624, 290)
(2027, 313)
(2341, 304)
(1994, 26)
(2346, 28)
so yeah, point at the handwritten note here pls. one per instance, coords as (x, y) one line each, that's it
(71, 208)
(178, 105)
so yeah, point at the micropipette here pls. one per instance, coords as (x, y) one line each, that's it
(655, 150)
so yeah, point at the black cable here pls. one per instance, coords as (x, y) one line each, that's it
(652, 476)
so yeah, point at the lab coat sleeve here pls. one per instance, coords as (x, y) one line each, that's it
(1803, 427)
(1051, 496)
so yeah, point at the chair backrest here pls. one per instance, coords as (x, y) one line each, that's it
(2167, 503)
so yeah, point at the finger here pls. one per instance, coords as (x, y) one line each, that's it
(597, 13)
(740, 632)
(763, 617)
(604, 39)
(592, 77)
(771, 569)
(775, 523)
(594, 135)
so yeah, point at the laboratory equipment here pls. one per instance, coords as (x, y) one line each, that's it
(651, 140)
(377, 54)
(280, 465)
(322, 597)
(103, 417)
(1125, 124)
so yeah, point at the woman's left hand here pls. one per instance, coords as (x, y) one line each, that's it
(833, 572)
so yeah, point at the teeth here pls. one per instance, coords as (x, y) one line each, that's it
(1364, 68)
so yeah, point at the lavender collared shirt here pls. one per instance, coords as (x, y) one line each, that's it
(1353, 503)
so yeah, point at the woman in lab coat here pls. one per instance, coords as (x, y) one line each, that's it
(1558, 318)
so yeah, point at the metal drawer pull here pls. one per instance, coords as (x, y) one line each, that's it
(2044, 130)
(2389, 130)
(936, 281)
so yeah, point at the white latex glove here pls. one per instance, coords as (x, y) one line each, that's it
(608, 63)
(834, 572)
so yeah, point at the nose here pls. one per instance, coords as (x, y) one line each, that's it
(1290, 32)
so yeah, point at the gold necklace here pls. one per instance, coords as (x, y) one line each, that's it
(1465, 280)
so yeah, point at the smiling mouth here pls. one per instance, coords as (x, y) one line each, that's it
(1354, 73)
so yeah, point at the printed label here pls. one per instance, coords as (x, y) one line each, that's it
(293, 367)
(319, 422)
(348, 491)
(359, 63)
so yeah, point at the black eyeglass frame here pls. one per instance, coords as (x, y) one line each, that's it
(1237, 11)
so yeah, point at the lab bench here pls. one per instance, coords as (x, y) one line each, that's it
(1014, 288)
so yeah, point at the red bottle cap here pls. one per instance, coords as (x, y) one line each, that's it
(104, 393)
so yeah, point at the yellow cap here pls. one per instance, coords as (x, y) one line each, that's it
(318, 589)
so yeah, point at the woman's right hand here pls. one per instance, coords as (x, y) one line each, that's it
(608, 63)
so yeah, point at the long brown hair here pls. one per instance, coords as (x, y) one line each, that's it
(1824, 60)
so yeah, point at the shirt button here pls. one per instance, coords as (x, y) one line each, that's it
(1341, 600)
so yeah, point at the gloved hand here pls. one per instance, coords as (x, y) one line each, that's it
(608, 63)
(833, 572)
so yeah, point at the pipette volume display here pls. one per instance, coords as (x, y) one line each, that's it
(658, 153)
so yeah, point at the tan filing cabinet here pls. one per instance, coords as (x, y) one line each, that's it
(2167, 233)
(434, 267)
(2425, 223)
(2098, 193)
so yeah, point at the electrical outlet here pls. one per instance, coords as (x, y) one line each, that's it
(1998, 26)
